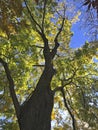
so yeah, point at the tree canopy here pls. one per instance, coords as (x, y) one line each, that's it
(35, 40)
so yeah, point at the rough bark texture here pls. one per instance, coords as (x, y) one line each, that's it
(35, 114)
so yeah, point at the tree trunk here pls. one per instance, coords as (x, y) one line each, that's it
(35, 114)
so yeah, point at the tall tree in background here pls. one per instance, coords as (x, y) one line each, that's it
(35, 39)
(91, 17)
(91, 4)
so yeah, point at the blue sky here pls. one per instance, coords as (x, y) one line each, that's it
(79, 37)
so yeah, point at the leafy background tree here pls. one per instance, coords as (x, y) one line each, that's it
(24, 29)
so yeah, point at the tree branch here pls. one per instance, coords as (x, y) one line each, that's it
(67, 107)
(69, 81)
(45, 2)
(61, 87)
(60, 30)
(32, 17)
(41, 47)
(37, 65)
(54, 50)
(40, 32)
(11, 87)
(82, 93)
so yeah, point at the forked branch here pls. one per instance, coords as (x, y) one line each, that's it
(68, 82)
(56, 39)
(54, 51)
(59, 88)
(39, 29)
(60, 30)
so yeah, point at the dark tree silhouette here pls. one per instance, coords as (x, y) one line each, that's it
(91, 4)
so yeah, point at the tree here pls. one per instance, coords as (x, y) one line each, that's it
(32, 49)
(92, 4)
(91, 17)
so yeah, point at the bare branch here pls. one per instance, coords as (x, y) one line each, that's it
(39, 65)
(68, 82)
(69, 110)
(11, 87)
(69, 101)
(60, 30)
(41, 32)
(57, 89)
(58, 13)
(32, 17)
(45, 2)
(54, 51)
(38, 46)
(61, 87)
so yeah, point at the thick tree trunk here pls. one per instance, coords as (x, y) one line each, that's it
(35, 114)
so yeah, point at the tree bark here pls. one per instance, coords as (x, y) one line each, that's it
(35, 114)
